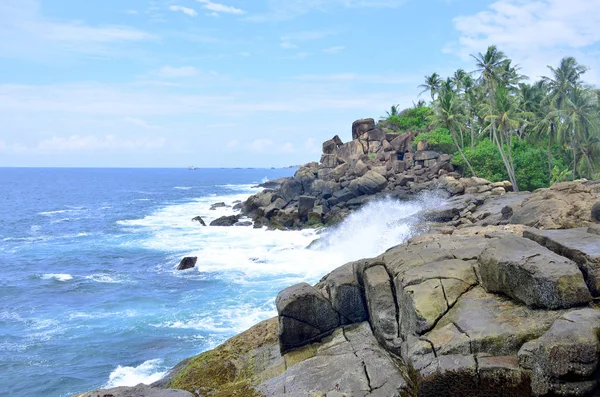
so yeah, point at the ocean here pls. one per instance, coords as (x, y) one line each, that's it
(89, 293)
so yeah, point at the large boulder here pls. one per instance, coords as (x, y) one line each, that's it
(565, 205)
(305, 316)
(370, 183)
(345, 294)
(305, 205)
(226, 220)
(402, 143)
(532, 274)
(359, 127)
(352, 150)
(596, 212)
(578, 245)
(291, 189)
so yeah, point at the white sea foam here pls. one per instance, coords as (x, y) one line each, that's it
(183, 187)
(148, 372)
(73, 210)
(104, 278)
(56, 276)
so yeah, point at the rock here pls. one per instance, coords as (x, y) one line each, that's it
(359, 127)
(576, 244)
(343, 195)
(370, 183)
(187, 263)
(259, 200)
(140, 390)
(532, 274)
(352, 150)
(274, 184)
(360, 168)
(596, 212)
(426, 155)
(564, 205)
(291, 189)
(305, 205)
(329, 160)
(226, 220)
(506, 212)
(329, 147)
(564, 360)
(402, 142)
(382, 308)
(199, 220)
(217, 205)
(305, 316)
(339, 171)
(345, 295)
(336, 139)
(243, 223)
(277, 205)
(451, 185)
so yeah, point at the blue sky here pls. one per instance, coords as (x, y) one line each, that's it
(249, 83)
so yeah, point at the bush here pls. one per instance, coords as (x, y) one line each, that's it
(439, 140)
(413, 119)
(531, 164)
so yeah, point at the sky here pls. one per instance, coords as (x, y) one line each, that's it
(245, 83)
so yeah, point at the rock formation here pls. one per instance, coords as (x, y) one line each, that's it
(188, 262)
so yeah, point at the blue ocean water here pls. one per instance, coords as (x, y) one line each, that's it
(89, 296)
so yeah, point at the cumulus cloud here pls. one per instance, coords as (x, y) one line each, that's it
(220, 8)
(188, 11)
(534, 33)
(88, 143)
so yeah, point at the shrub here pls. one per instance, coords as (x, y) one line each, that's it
(531, 164)
(439, 140)
(413, 119)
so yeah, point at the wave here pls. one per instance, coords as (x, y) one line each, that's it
(183, 187)
(104, 278)
(73, 210)
(56, 276)
(148, 372)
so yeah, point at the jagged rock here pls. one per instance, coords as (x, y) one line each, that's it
(226, 220)
(596, 212)
(277, 205)
(339, 171)
(214, 206)
(238, 207)
(329, 147)
(345, 294)
(188, 262)
(370, 183)
(199, 220)
(352, 150)
(564, 360)
(532, 274)
(359, 127)
(305, 316)
(360, 168)
(343, 195)
(426, 155)
(336, 139)
(243, 223)
(323, 188)
(576, 244)
(402, 142)
(291, 189)
(140, 390)
(305, 205)
(329, 160)
(253, 203)
(274, 184)
(451, 185)
(565, 205)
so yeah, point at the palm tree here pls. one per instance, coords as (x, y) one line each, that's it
(394, 111)
(448, 114)
(458, 77)
(505, 118)
(432, 84)
(564, 79)
(490, 66)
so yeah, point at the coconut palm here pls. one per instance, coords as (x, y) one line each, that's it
(490, 66)
(432, 84)
(458, 78)
(449, 114)
(394, 111)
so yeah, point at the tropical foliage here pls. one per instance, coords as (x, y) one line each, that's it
(502, 127)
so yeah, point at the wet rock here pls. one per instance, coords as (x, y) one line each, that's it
(188, 262)
(345, 295)
(199, 220)
(243, 223)
(140, 390)
(226, 220)
(214, 206)
(596, 212)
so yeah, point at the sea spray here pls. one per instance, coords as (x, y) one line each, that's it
(377, 226)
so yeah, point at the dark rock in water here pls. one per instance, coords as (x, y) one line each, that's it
(218, 205)
(274, 184)
(187, 263)
(243, 223)
(238, 207)
(226, 220)
(199, 219)
(596, 212)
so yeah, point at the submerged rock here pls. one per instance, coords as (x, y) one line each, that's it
(199, 220)
(226, 220)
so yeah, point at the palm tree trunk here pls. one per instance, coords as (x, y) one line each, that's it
(453, 133)
(550, 149)
(500, 145)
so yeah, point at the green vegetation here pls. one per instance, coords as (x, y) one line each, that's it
(439, 140)
(371, 155)
(500, 127)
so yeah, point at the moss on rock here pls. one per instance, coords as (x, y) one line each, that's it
(234, 367)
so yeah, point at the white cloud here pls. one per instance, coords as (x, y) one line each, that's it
(334, 50)
(142, 123)
(188, 11)
(26, 33)
(217, 8)
(533, 33)
(169, 72)
(279, 10)
(288, 46)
